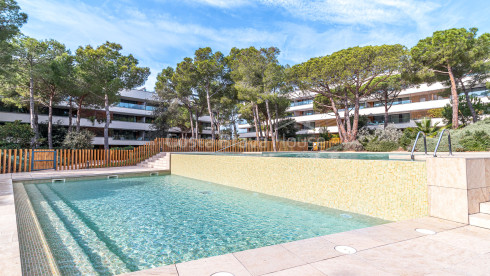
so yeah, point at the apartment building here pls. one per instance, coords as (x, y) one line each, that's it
(131, 123)
(411, 105)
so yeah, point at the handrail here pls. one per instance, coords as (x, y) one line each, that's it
(448, 141)
(231, 145)
(415, 143)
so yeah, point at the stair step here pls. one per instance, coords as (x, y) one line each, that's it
(480, 220)
(485, 207)
(56, 233)
(102, 258)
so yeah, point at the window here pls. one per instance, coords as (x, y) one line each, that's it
(308, 112)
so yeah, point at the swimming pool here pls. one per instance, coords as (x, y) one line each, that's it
(113, 226)
(326, 155)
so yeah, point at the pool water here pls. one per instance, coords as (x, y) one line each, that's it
(108, 227)
(328, 155)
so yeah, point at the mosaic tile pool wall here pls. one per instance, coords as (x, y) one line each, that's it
(391, 190)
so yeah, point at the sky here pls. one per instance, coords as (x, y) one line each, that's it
(161, 33)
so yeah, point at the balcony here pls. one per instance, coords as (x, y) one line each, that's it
(136, 106)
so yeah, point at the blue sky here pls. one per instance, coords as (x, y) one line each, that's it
(161, 33)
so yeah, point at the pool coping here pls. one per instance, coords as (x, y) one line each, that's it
(317, 256)
(10, 262)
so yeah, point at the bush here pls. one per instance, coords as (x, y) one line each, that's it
(78, 140)
(380, 139)
(460, 138)
(16, 135)
(352, 146)
(476, 141)
(381, 146)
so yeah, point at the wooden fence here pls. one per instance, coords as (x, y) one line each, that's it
(26, 160)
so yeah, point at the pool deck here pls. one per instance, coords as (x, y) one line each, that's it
(390, 249)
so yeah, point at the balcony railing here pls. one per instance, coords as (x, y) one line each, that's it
(136, 106)
(301, 103)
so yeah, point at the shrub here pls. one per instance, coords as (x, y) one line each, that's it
(352, 146)
(476, 141)
(380, 139)
(78, 140)
(15, 135)
(381, 146)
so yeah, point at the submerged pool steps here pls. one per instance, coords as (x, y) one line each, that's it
(83, 238)
(56, 233)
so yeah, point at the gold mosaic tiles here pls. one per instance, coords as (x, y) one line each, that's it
(391, 190)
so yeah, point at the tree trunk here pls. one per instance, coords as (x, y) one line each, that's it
(258, 121)
(355, 123)
(468, 102)
(270, 125)
(50, 122)
(386, 109)
(255, 122)
(454, 94)
(197, 123)
(211, 116)
(107, 122)
(34, 125)
(79, 112)
(70, 115)
(192, 124)
(276, 123)
(338, 120)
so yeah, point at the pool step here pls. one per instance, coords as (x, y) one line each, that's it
(103, 260)
(485, 207)
(159, 161)
(68, 254)
(480, 220)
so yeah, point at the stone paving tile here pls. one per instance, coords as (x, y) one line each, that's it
(472, 238)
(430, 223)
(208, 266)
(312, 250)
(169, 270)
(348, 265)
(415, 257)
(268, 259)
(308, 270)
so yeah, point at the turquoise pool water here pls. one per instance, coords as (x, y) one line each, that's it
(108, 227)
(329, 155)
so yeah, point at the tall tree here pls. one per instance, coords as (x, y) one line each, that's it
(11, 19)
(344, 77)
(105, 71)
(449, 53)
(54, 79)
(388, 91)
(19, 87)
(212, 78)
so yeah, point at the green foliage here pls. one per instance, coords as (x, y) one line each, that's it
(475, 141)
(123, 148)
(287, 129)
(336, 77)
(78, 140)
(324, 134)
(15, 135)
(425, 125)
(58, 131)
(464, 112)
(409, 135)
(380, 139)
(11, 19)
(461, 138)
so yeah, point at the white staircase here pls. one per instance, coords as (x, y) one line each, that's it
(482, 219)
(159, 161)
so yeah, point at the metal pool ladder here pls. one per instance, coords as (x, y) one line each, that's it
(448, 142)
(415, 143)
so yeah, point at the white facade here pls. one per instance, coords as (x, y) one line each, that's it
(411, 104)
(130, 124)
